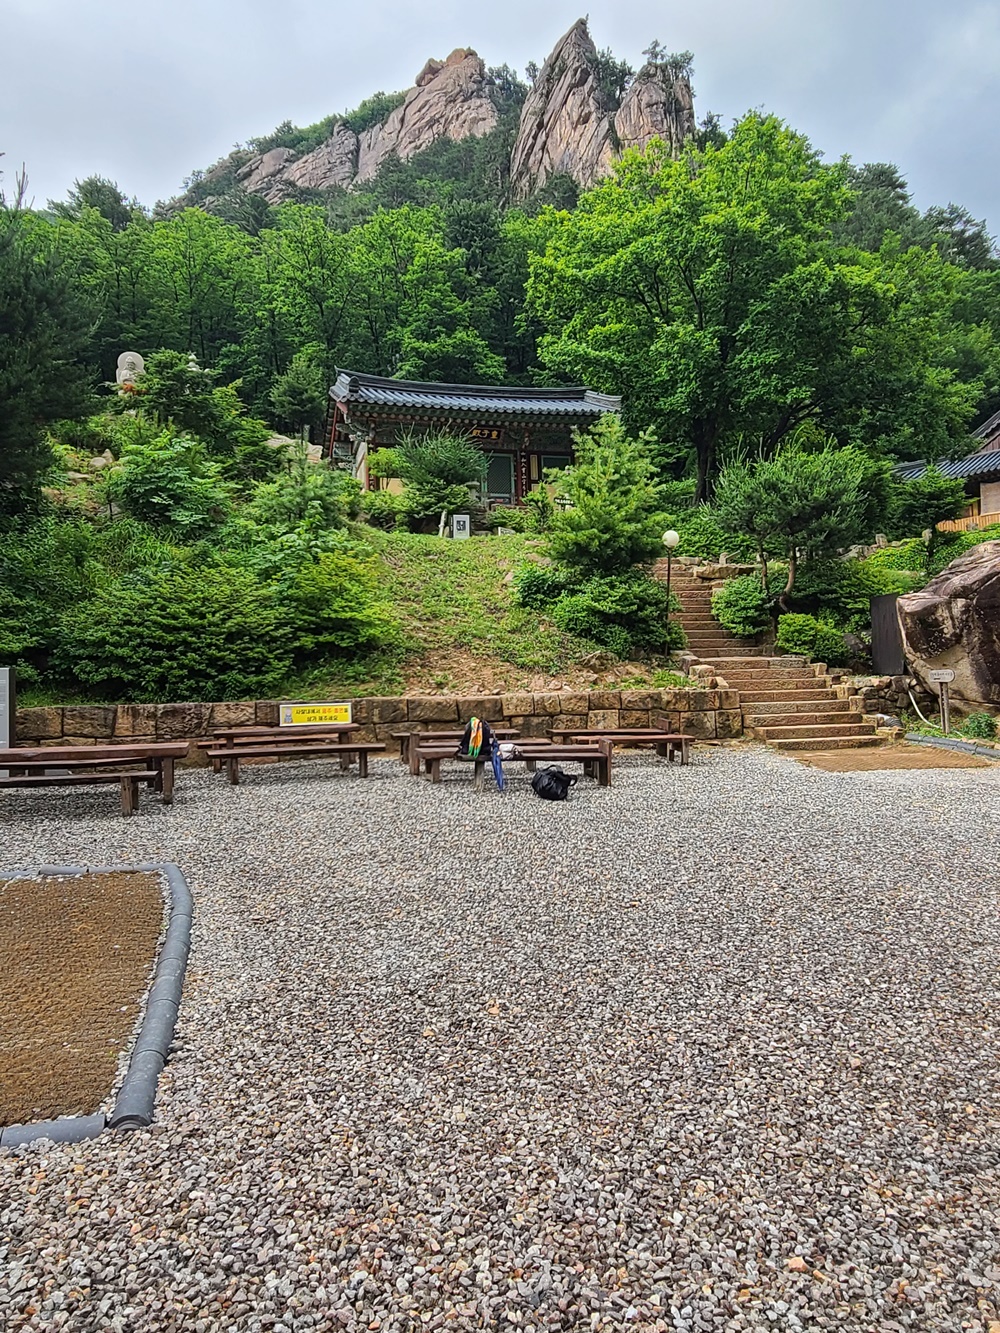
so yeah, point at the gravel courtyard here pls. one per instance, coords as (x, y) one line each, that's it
(713, 1049)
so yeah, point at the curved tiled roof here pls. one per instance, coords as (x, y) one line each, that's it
(975, 465)
(479, 400)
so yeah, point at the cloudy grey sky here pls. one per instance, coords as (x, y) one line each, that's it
(144, 93)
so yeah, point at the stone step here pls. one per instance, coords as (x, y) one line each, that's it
(828, 743)
(793, 706)
(756, 659)
(780, 696)
(817, 711)
(720, 645)
(714, 655)
(750, 677)
(814, 727)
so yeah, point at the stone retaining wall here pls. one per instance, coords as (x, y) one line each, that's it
(709, 714)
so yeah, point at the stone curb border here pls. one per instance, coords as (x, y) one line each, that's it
(133, 1107)
(946, 743)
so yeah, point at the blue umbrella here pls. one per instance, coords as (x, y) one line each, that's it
(497, 765)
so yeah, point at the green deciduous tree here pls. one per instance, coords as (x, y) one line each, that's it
(44, 350)
(709, 292)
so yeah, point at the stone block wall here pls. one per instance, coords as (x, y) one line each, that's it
(709, 714)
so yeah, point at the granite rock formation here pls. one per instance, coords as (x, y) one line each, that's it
(569, 125)
(565, 121)
(659, 105)
(955, 622)
(450, 101)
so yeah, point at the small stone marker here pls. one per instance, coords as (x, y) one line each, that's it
(8, 704)
(942, 678)
(460, 525)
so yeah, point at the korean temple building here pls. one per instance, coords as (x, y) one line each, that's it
(521, 431)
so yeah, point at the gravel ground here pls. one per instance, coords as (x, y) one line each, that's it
(713, 1049)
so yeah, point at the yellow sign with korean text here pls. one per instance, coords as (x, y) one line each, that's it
(313, 715)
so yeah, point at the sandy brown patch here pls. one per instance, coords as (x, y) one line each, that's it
(889, 756)
(75, 959)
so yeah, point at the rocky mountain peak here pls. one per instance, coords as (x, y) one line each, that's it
(576, 120)
(564, 125)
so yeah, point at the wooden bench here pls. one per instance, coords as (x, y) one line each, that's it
(666, 743)
(406, 738)
(156, 757)
(334, 733)
(303, 749)
(128, 782)
(595, 758)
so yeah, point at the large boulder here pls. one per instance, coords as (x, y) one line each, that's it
(955, 623)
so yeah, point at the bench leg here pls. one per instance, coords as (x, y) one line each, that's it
(685, 752)
(414, 760)
(404, 748)
(345, 762)
(362, 763)
(233, 769)
(434, 768)
(166, 779)
(530, 765)
(130, 795)
(588, 768)
(604, 771)
(479, 770)
(663, 751)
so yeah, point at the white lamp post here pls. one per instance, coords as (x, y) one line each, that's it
(670, 541)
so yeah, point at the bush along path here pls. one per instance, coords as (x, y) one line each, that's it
(787, 704)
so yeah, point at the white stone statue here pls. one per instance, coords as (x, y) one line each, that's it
(130, 367)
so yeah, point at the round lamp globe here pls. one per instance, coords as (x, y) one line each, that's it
(670, 539)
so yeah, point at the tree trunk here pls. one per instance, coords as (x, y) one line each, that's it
(793, 565)
(704, 443)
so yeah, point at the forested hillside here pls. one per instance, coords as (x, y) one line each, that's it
(748, 299)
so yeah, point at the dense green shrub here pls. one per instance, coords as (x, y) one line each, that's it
(701, 534)
(948, 547)
(333, 609)
(918, 505)
(510, 516)
(441, 470)
(743, 606)
(808, 637)
(538, 586)
(171, 484)
(383, 509)
(840, 591)
(312, 493)
(183, 632)
(45, 568)
(909, 555)
(541, 507)
(624, 613)
(980, 726)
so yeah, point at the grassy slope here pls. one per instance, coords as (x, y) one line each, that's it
(461, 629)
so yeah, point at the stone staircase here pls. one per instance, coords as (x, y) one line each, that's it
(789, 704)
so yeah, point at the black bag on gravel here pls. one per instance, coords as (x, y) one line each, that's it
(552, 784)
